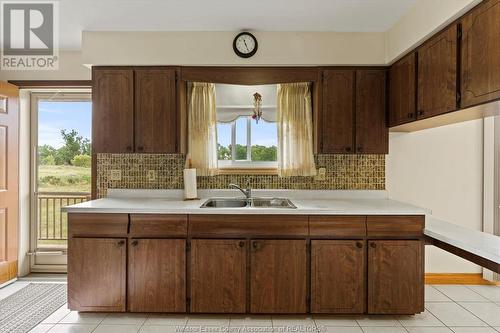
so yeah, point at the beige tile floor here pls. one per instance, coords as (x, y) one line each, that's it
(449, 308)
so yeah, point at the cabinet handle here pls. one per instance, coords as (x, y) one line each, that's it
(255, 245)
(348, 149)
(140, 148)
(373, 245)
(410, 115)
(360, 148)
(121, 243)
(129, 148)
(135, 243)
(359, 245)
(241, 244)
(421, 113)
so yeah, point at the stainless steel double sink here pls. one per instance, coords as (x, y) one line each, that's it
(248, 203)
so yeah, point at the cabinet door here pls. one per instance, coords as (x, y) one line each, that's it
(278, 271)
(337, 276)
(156, 111)
(97, 274)
(402, 97)
(218, 275)
(337, 129)
(157, 275)
(481, 54)
(437, 74)
(112, 110)
(395, 277)
(372, 133)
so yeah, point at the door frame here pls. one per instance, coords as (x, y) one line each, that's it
(43, 260)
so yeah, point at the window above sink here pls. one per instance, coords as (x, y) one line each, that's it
(244, 142)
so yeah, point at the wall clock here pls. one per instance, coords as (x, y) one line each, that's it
(245, 44)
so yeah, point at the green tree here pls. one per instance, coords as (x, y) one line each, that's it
(48, 160)
(223, 153)
(259, 153)
(241, 152)
(263, 153)
(45, 151)
(81, 161)
(74, 144)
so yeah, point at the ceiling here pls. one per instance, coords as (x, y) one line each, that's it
(226, 15)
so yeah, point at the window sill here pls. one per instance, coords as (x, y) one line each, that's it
(247, 171)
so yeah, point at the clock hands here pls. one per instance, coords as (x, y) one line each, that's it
(244, 41)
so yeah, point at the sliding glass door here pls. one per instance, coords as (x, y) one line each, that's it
(60, 144)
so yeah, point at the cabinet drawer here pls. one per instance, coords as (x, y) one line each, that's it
(97, 225)
(156, 225)
(237, 226)
(337, 226)
(395, 226)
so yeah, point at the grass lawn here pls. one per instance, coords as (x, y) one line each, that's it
(58, 178)
(63, 178)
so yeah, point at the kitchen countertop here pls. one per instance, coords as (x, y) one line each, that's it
(479, 243)
(331, 203)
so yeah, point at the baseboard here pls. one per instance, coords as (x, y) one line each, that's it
(457, 278)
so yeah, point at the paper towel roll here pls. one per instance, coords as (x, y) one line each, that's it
(190, 191)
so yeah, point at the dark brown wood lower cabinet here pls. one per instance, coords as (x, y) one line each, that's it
(96, 274)
(395, 276)
(278, 276)
(338, 276)
(218, 275)
(157, 275)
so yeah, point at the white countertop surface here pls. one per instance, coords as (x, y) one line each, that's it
(479, 243)
(324, 202)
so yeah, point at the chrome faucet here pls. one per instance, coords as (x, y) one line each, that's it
(247, 192)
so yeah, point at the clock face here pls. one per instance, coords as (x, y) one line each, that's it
(245, 45)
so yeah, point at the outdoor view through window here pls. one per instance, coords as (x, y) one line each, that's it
(63, 168)
(243, 140)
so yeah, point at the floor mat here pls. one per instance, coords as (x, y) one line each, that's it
(26, 308)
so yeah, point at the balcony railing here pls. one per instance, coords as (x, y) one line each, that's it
(52, 223)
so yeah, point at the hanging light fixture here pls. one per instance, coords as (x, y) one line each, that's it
(257, 107)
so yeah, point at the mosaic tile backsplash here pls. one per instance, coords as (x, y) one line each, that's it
(343, 172)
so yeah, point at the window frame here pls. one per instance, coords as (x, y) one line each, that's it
(246, 164)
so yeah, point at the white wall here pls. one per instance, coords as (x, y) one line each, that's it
(215, 48)
(440, 169)
(70, 68)
(422, 20)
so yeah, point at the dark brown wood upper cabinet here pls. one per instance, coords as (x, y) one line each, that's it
(337, 124)
(481, 54)
(112, 110)
(97, 274)
(157, 275)
(372, 133)
(278, 276)
(402, 94)
(218, 275)
(155, 111)
(437, 74)
(395, 276)
(338, 276)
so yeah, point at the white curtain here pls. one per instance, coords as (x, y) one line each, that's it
(295, 130)
(202, 129)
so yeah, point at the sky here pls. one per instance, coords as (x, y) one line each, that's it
(55, 116)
